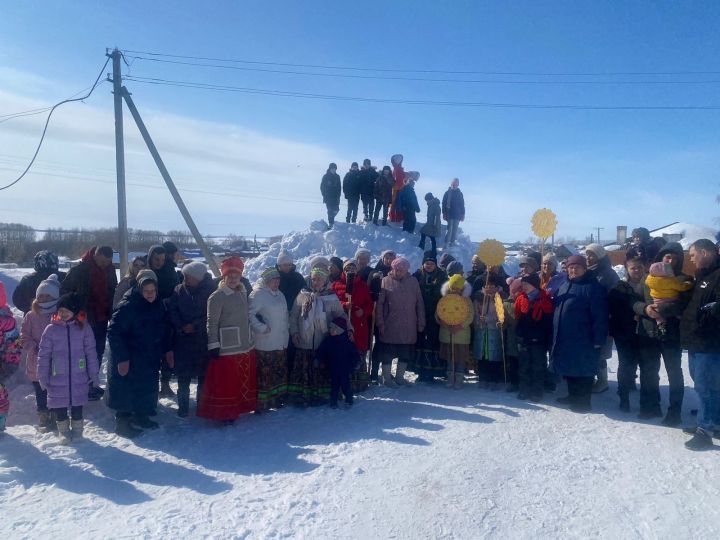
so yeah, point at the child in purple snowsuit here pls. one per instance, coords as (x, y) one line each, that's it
(34, 324)
(67, 363)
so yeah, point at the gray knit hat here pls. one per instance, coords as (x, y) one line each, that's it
(195, 269)
(50, 286)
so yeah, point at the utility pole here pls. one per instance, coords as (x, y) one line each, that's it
(598, 231)
(120, 160)
(209, 257)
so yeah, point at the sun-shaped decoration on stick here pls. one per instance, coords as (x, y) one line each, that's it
(544, 223)
(453, 309)
(491, 252)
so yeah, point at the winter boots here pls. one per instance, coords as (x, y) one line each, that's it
(95, 393)
(143, 421)
(64, 436)
(124, 428)
(700, 441)
(400, 374)
(387, 376)
(165, 390)
(77, 429)
(601, 384)
(46, 422)
(625, 403)
(183, 399)
(672, 418)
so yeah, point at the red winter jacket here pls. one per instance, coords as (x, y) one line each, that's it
(361, 300)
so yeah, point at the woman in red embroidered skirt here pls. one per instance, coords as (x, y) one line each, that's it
(230, 387)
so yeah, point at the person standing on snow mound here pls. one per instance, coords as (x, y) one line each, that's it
(580, 330)
(368, 175)
(399, 316)
(433, 224)
(351, 190)
(383, 195)
(396, 215)
(46, 264)
(408, 203)
(453, 210)
(94, 279)
(330, 190)
(140, 336)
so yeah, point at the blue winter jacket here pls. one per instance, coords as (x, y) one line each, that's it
(580, 327)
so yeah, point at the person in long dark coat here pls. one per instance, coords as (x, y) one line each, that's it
(330, 190)
(139, 336)
(427, 363)
(580, 329)
(187, 308)
(351, 191)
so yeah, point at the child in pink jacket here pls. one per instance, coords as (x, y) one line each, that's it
(36, 320)
(67, 363)
(9, 352)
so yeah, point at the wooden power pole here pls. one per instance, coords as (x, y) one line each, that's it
(120, 161)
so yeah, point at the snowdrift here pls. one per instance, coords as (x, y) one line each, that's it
(690, 233)
(345, 238)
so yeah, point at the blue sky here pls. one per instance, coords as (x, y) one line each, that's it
(593, 168)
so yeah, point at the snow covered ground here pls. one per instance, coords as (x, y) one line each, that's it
(418, 462)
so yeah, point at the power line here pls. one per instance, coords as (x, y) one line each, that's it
(418, 79)
(47, 122)
(475, 104)
(439, 71)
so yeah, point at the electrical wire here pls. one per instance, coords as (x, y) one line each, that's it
(476, 104)
(418, 79)
(439, 71)
(47, 122)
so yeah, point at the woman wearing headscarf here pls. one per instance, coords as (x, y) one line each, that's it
(269, 320)
(313, 311)
(129, 280)
(399, 316)
(230, 387)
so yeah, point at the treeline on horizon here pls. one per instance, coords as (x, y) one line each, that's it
(19, 243)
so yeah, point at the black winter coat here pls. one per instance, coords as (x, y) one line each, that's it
(623, 325)
(189, 306)
(430, 289)
(367, 182)
(580, 327)
(166, 275)
(528, 330)
(78, 280)
(351, 184)
(139, 332)
(700, 330)
(290, 285)
(453, 205)
(408, 201)
(339, 354)
(384, 189)
(24, 293)
(330, 189)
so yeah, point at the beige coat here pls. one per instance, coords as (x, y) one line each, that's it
(400, 310)
(228, 323)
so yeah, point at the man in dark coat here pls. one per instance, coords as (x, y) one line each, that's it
(330, 190)
(368, 175)
(453, 210)
(408, 203)
(351, 190)
(667, 344)
(140, 337)
(428, 363)
(187, 308)
(167, 280)
(173, 255)
(642, 247)
(580, 328)
(700, 335)
(95, 280)
(46, 263)
(383, 194)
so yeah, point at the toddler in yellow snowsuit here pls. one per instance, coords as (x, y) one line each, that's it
(665, 288)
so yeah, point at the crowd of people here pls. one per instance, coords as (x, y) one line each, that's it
(319, 339)
(392, 192)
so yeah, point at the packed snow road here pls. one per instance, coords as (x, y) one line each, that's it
(418, 462)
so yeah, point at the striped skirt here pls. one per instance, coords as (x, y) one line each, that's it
(272, 379)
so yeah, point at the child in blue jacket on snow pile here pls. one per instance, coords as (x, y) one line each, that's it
(338, 352)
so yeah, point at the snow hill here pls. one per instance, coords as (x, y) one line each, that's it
(345, 238)
(690, 233)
